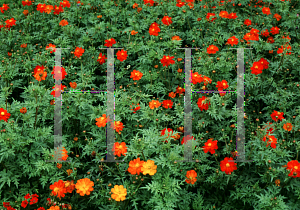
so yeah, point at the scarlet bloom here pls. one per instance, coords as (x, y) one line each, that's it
(135, 5)
(180, 90)
(275, 30)
(257, 68)
(23, 45)
(65, 3)
(23, 110)
(284, 49)
(196, 78)
(78, 51)
(133, 32)
(58, 189)
(206, 80)
(10, 22)
(201, 103)
(271, 140)
(210, 146)
(59, 73)
(84, 186)
(294, 167)
(277, 17)
(191, 177)
(135, 166)
(101, 58)
(24, 203)
(63, 23)
(170, 132)
(167, 104)
(64, 154)
(26, 3)
(136, 75)
(118, 126)
(212, 49)
(41, 8)
(228, 167)
(154, 29)
(52, 47)
(118, 193)
(119, 149)
(176, 38)
(232, 16)
(25, 12)
(73, 85)
(110, 42)
(210, 15)
(247, 22)
(58, 10)
(69, 185)
(270, 40)
(167, 60)
(270, 130)
(122, 55)
(223, 14)
(277, 116)
(266, 10)
(149, 2)
(40, 75)
(180, 4)
(58, 88)
(154, 104)
(48, 9)
(233, 41)
(264, 63)
(288, 126)
(172, 95)
(188, 137)
(222, 85)
(167, 20)
(265, 33)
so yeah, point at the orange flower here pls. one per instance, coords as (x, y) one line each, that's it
(275, 30)
(51, 47)
(135, 5)
(223, 14)
(232, 16)
(101, 58)
(212, 49)
(179, 70)
(228, 167)
(122, 55)
(206, 80)
(136, 75)
(10, 22)
(41, 8)
(69, 171)
(221, 85)
(191, 177)
(40, 75)
(23, 110)
(266, 10)
(135, 166)
(233, 41)
(133, 32)
(210, 146)
(277, 116)
(154, 104)
(167, 60)
(118, 126)
(277, 182)
(167, 20)
(188, 138)
(101, 121)
(58, 189)
(26, 3)
(247, 22)
(58, 165)
(25, 12)
(277, 16)
(176, 38)
(167, 104)
(149, 168)
(58, 88)
(84, 186)
(73, 85)
(78, 51)
(69, 185)
(209, 15)
(257, 68)
(201, 103)
(118, 193)
(170, 131)
(119, 149)
(4, 115)
(65, 3)
(288, 126)
(271, 140)
(54, 208)
(63, 23)
(154, 30)
(58, 10)
(180, 90)
(59, 73)
(64, 154)
(23, 45)
(294, 167)
(48, 9)
(172, 95)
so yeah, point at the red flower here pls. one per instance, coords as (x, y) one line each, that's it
(294, 167)
(101, 58)
(58, 88)
(110, 42)
(41, 8)
(78, 51)
(59, 73)
(167, 20)
(191, 177)
(170, 132)
(201, 103)
(188, 137)
(247, 22)
(228, 167)
(33, 200)
(264, 63)
(196, 78)
(277, 16)
(222, 85)
(65, 3)
(135, 166)
(167, 60)
(26, 3)
(270, 40)
(265, 33)
(172, 95)
(24, 203)
(223, 14)
(232, 16)
(73, 85)
(210, 146)
(58, 10)
(167, 104)
(122, 55)
(118, 126)
(282, 49)
(136, 75)
(266, 10)
(10, 22)
(153, 30)
(180, 90)
(58, 189)
(51, 47)
(149, 2)
(212, 49)
(257, 68)
(209, 15)
(277, 116)
(233, 41)
(119, 149)
(275, 30)
(271, 140)
(27, 196)
(270, 130)
(4, 115)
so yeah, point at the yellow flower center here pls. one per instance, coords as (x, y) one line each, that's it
(56, 189)
(10, 20)
(224, 84)
(2, 113)
(137, 165)
(122, 53)
(167, 57)
(101, 118)
(120, 147)
(296, 167)
(99, 57)
(279, 113)
(227, 164)
(136, 74)
(256, 67)
(209, 144)
(154, 103)
(232, 39)
(109, 39)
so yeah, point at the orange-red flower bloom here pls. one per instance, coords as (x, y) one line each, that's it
(58, 10)
(101, 121)
(294, 167)
(26, 3)
(180, 90)
(10, 22)
(4, 115)
(191, 177)
(221, 85)
(172, 95)
(78, 51)
(266, 10)
(277, 116)
(23, 110)
(288, 126)
(110, 42)
(122, 55)
(228, 167)
(135, 166)
(233, 41)
(154, 104)
(247, 22)
(154, 29)
(101, 58)
(118, 126)
(257, 68)
(277, 16)
(73, 85)
(59, 73)
(136, 75)
(119, 149)
(167, 20)
(51, 47)
(223, 14)
(212, 49)
(41, 8)
(65, 3)
(272, 140)
(167, 60)
(63, 23)
(275, 30)
(188, 137)
(48, 9)
(58, 189)
(201, 103)
(210, 146)
(167, 104)
(84, 186)
(58, 88)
